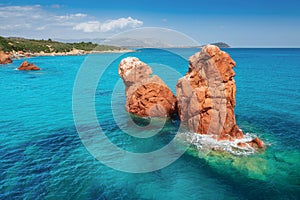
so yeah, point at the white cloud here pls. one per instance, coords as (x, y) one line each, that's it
(88, 27)
(42, 22)
(20, 8)
(110, 25)
(70, 17)
(80, 15)
(14, 26)
(120, 24)
(18, 11)
(40, 28)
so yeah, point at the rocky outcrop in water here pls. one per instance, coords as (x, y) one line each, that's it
(28, 66)
(146, 95)
(206, 95)
(5, 58)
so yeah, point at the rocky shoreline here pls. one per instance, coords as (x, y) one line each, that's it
(8, 57)
(74, 52)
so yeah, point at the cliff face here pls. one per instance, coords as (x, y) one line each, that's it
(206, 95)
(146, 96)
(5, 58)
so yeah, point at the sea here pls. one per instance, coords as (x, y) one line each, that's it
(65, 134)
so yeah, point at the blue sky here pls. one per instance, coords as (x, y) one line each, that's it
(240, 23)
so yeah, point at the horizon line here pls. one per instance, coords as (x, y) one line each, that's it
(187, 46)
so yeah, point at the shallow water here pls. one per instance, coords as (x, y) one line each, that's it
(42, 156)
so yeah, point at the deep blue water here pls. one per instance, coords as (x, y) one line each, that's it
(43, 157)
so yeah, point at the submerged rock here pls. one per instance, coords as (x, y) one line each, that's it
(206, 96)
(28, 66)
(256, 143)
(5, 58)
(146, 96)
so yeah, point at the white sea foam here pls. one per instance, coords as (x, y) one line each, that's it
(206, 143)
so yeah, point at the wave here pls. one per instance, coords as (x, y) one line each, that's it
(204, 144)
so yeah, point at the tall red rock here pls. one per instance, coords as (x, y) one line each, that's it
(5, 58)
(206, 95)
(28, 66)
(146, 95)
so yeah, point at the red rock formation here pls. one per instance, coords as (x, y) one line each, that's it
(206, 95)
(146, 96)
(5, 58)
(256, 143)
(28, 66)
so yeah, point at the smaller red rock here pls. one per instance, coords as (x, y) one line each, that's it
(242, 145)
(28, 66)
(5, 58)
(258, 142)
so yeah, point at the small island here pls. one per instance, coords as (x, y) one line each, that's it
(219, 44)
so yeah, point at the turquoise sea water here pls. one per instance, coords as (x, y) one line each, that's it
(42, 156)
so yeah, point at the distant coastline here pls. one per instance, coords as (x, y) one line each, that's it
(75, 52)
(21, 48)
(17, 47)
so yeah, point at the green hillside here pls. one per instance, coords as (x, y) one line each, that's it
(48, 46)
